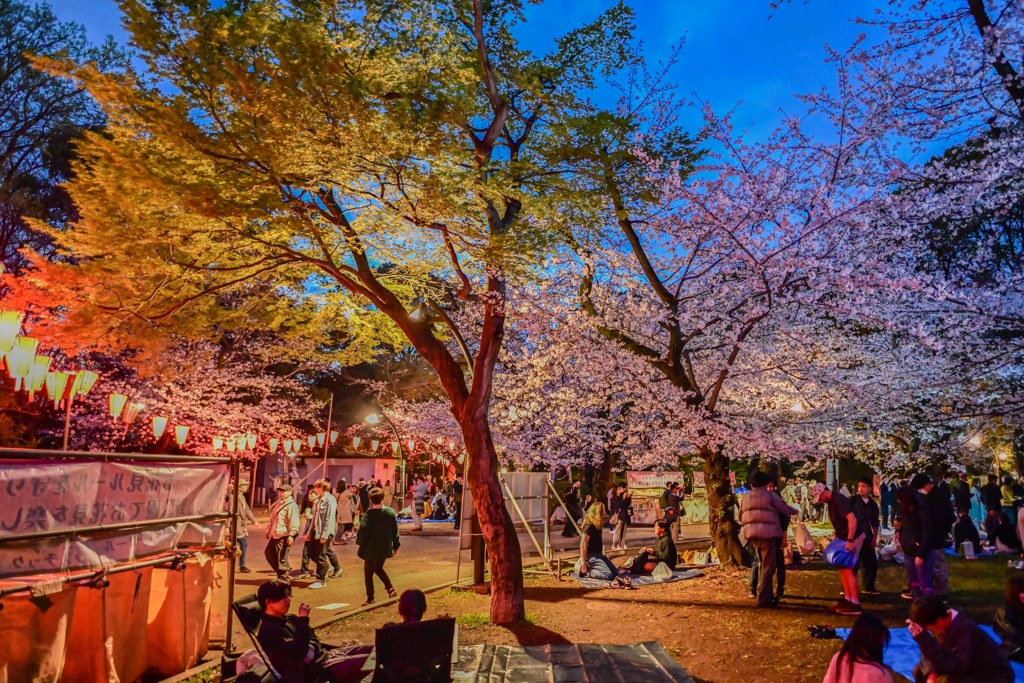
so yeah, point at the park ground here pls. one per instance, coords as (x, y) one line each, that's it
(708, 624)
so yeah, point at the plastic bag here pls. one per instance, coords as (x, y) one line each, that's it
(803, 539)
(968, 547)
(662, 572)
(838, 556)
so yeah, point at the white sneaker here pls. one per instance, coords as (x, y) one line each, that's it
(316, 585)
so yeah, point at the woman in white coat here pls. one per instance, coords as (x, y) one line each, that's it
(346, 507)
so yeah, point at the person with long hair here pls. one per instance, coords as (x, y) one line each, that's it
(860, 658)
(977, 504)
(594, 564)
(622, 511)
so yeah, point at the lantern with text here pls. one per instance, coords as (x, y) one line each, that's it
(132, 411)
(117, 401)
(181, 435)
(10, 325)
(159, 426)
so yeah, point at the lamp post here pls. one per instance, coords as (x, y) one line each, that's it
(373, 419)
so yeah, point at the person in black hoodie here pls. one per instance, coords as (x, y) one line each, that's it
(865, 508)
(991, 495)
(953, 648)
(941, 507)
(961, 494)
(918, 541)
(964, 530)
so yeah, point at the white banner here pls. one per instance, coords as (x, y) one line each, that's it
(64, 495)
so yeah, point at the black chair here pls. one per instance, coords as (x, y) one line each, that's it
(416, 652)
(249, 614)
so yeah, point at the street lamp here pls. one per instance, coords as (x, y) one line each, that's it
(373, 419)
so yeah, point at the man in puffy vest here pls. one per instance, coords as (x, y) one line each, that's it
(759, 515)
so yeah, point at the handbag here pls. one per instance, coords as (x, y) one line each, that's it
(837, 555)
(614, 519)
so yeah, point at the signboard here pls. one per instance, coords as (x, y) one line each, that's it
(647, 488)
(60, 496)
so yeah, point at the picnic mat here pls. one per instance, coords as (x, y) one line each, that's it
(641, 663)
(639, 579)
(903, 655)
(982, 552)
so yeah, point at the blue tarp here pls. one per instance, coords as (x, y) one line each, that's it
(902, 655)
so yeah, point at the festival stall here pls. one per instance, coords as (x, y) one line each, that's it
(113, 566)
(647, 488)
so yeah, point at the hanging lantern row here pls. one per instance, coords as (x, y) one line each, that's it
(248, 441)
(127, 412)
(31, 371)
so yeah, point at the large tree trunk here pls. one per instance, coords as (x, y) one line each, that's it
(506, 560)
(722, 510)
(605, 477)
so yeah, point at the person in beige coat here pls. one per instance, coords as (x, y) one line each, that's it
(759, 515)
(346, 509)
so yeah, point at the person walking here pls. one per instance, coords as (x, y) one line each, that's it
(622, 512)
(321, 533)
(572, 510)
(378, 541)
(346, 514)
(245, 517)
(866, 510)
(759, 516)
(363, 492)
(306, 512)
(457, 497)
(846, 526)
(884, 501)
(282, 529)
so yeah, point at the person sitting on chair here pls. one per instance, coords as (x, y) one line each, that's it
(664, 550)
(953, 648)
(292, 647)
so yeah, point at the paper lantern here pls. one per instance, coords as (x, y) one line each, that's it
(218, 443)
(287, 446)
(334, 437)
(320, 438)
(231, 445)
(117, 401)
(272, 444)
(132, 411)
(21, 359)
(10, 325)
(55, 383)
(374, 444)
(34, 382)
(440, 440)
(159, 426)
(356, 441)
(296, 445)
(181, 434)
(252, 441)
(412, 445)
(311, 440)
(394, 446)
(88, 380)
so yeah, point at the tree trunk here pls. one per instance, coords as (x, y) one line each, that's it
(605, 477)
(507, 601)
(722, 510)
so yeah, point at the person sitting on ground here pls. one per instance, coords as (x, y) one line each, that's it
(1009, 621)
(593, 562)
(953, 648)
(860, 659)
(1004, 537)
(292, 647)
(964, 530)
(663, 550)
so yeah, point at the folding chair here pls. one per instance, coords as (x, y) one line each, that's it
(249, 615)
(416, 652)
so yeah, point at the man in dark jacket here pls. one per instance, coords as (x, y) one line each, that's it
(941, 508)
(663, 550)
(866, 510)
(961, 494)
(953, 648)
(991, 496)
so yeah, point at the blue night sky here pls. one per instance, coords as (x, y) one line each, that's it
(733, 51)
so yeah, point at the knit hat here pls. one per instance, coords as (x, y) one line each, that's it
(816, 492)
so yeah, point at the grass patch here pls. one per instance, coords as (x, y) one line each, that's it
(207, 676)
(474, 620)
